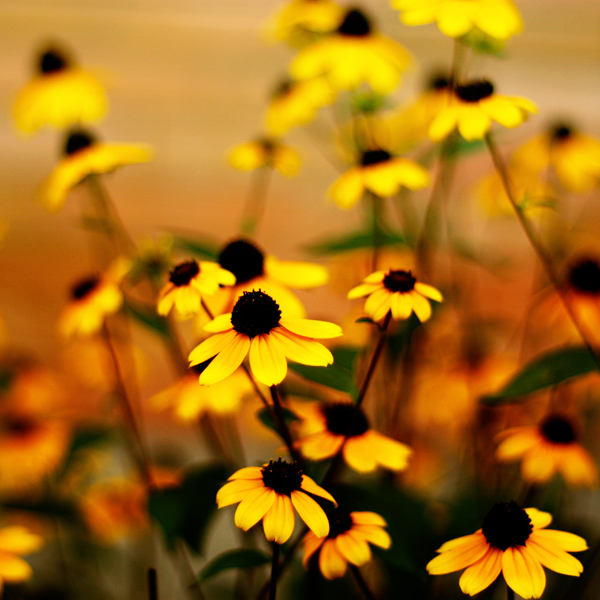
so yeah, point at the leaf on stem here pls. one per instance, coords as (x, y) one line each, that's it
(243, 558)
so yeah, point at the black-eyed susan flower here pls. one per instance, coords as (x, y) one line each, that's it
(17, 541)
(84, 156)
(549, 448)
(61, 95)
(189, 282)
(474, 106)
(265, 152)
(514, 541)
(348, 542)
(499, 19)
(323, 430)
(396, 291)
(353, 55)
(257, 327)
(271, 493)
(379, 172)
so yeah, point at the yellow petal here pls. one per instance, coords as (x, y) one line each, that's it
(311, 328)
(279, 521)
(569, 542)
(470, 549)
(392, 454)
(360, 455)
(296, 274)
(311, 544)
(331, 561)
(19, 540)
(538, 518)
(401, 306)
(308, 485)
(219, 324)
(374, 535)
(364, 289)
(555, 559)
(365, 517)
(348, 189)
(301, 350)
(320, 445)
(378, 304)
(13, 568)
(235, 491)
(211, 346)
(517, 442)
(227, 361)
(311, 513)
(482, 573)
(523, 572)
(267, 360)
(428, 291)
(421, 306)
(253, 507)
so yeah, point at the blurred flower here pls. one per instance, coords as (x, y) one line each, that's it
(152, 260)
(379, 172)
(16, 541)
(348, 542)
(324, 428)
(60, 95)
(188, 283)
(354, 54)
(85, 156)
(398, 291)
(500, 19)
(512, 540)
(265, 152)
(472, 109)
(271, 493)
(256, 326)
(549, 448)
(296, 103)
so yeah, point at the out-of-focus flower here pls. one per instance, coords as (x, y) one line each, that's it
(379, 172)
(396, 291)
(549, 448)
(257, 327)
(189, 282)
(16, 541)
(60, 95)
(271, 493)
(152, 259)
(500, 19)
(296, 103)
(348, 542)
(84, 156)
(265, 152)
(323, 430)
(354, 54)
(514, 541)
(474, 106)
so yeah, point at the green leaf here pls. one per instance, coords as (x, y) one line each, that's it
(354, 241)
(345, 356)
(148, 317)
(550, 369)
(458, 146)
(333, 376)
(264, 416)
(234, 559)
(195, 244)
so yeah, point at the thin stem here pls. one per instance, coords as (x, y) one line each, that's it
(362, 584)
(254, 208)
(283, 428)
(274, 569)
(152, 584)
(510, 593)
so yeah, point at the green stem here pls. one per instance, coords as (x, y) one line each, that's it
(254, 208)
(274, 569)
(283, 428)
(362, 584)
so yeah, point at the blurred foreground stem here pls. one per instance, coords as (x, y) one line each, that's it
(256, 200)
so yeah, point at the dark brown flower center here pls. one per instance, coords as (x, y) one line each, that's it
(243, 259)
(18, 426)
(284, 88)
(558, 430)
(372, 157)
(78, 140)
(345, 419)
(282, 477)
(399, 281)
(355, 24)
(475, 91)
(52, 61)
(84, 287)
(584, 276)
(439, 82)
(339, 522)
(183, 273)
(560, 132)
(506, 525)
(255, 313)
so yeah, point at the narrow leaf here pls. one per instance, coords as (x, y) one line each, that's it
(195, 244)
(333, 376)
(354, 241)
(234, 559)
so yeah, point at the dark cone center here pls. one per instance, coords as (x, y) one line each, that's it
(584, 276)
(52, 61)
(282, 477)
(19, 426)
(255, 313)
(558, 430)
(345, 419)
(84, 288)
(399, 281)
(284, 88)
(77, 141)
(355, 24)
(339, 523)
(372, 157)
(561, 132)
(183, 273)
(475, 90)
(243, 259)
(506, 525)
(439, 82)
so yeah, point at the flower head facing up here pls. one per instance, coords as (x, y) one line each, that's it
(257, 327)
(513, 541)
(551, 447)
(271, 493)
(397, 291)
(350, 534)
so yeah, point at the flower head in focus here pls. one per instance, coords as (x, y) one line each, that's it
(60, 95)
(16, 541)
(514, 541)
(348, 542)
(398, 292)
(271, 493)
(265, 152)
(83, 156)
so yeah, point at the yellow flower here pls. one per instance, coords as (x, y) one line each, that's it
(85, 156)
(325, 426)
(271, 493)
(380, 173)
(16, 541)
(500, 19)
(396, 291)
(348, 542)
(189, 282)
(512, 540)
(296, 103)
(256, 326)
(549, 448)
(472, 109)
(354, 54)
(61, 95)
(265, 152)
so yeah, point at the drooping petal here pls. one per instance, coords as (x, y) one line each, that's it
(482, 573)
(267, 360)
(554, 558)
(538, 464)
(421, 306)
(227, 361)
(516, 442)
(378, 304)
(279, 521)
(374, 534)
(311, 544)
(360, 455)
(13, 568)
(296, 274)
(300, 349)
(401, 306)
(365, 517)
(348, 189)
(211, 346)
(254, 507)
(19, 540)
(311, 513)
(331, 561)
(308, 485)
(364, 289)
(470, 550)
(569, 542)
(429, 291)
(392, 455)
(320, 445)
(353, 548)
(523, 572)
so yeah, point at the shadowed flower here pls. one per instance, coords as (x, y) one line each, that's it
(348, 542)
(271, 493)
(398, 291)
(256, 327)
(265, 152)
(474, 106)
(499, 19)
(84, 156)
(324, 428)
(549, 448)
(514, 541)
(379, 172)
(354, 54)
(16, 541)
(189, 282)
(60, 95)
